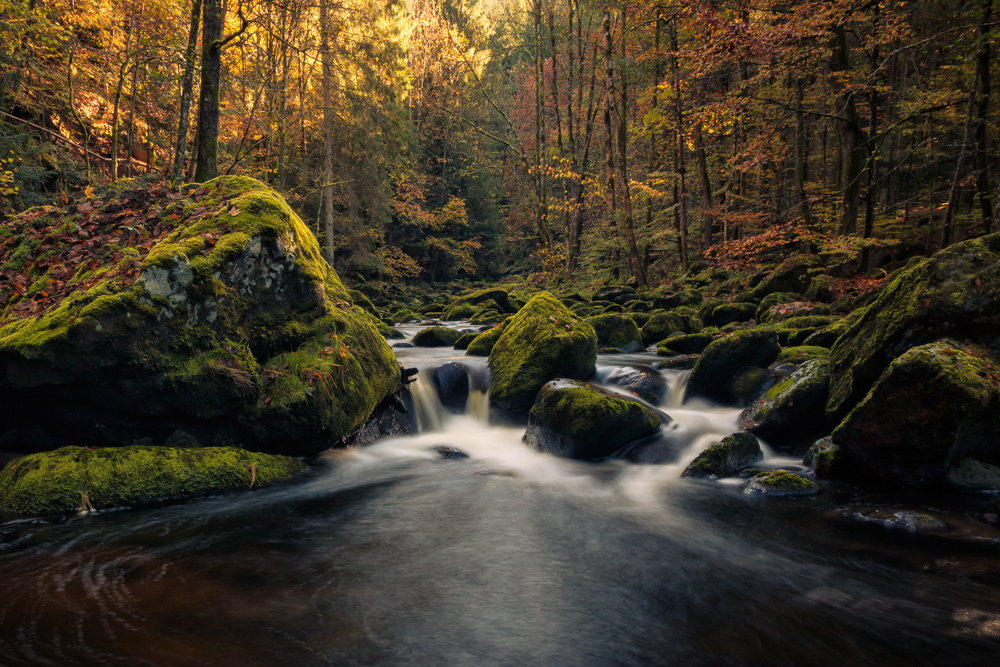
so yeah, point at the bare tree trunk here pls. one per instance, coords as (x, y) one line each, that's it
(681, 189)
(69, 86)
(327, 64)
(544, 235)
(869, 228)
(800, 154)
(609, 155)
(626, 196)
(982, 112)
(187, 90)
(131, 108)
(949, 216)
(707, 220)
(559, 137)
(851, 142)
(118, 95)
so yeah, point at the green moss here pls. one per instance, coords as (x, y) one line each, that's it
(684, 344)
(482, 345)
(436, 337)
(616, 331)
(70, 478)
(543, 341)
(461, 311)
(25, 249)
(726, 457)
(802, 353)
(781, 483)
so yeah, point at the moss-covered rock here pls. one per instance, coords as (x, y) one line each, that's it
(616, 331)
(792, 275)
(780, 483)
(706, 308)
(733, 312)
(230, 320)
(955, 293)
(362, 301)
(79, 478)
(748, 384)
(482, 345)
(578, 420)
(726, 356)
(824, 458)
(660, 325)
(618, 294)
(684, 344)
(436, 337)
(726, 457)
(972, 475)
(936, 403)
(773, 299)
(791, 408)
(463, 342)
(488, 316)
(801, 354)
(687, 297)
(460, 311)
(542, 342)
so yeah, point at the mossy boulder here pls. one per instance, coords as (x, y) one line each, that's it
(684, 344)
(463, 342)
(482, 345)
(780, 483)
(228, 324)
(436, 337)
(792, 275)
(77, 478)
(733, 312)
(687, 297)
(791, 408)
(461, 311)
(484, 298)
(488, 316)
(956, 293)
(618, 294)
(726, 457)
(801, 354)
(771, 300)
(935, 404)
(706, 308)
(748, 384)
(689, 319)
(660, 325)
(581, 421)
(543, 341)
(362, 301)
(616, 331)
(726, 356)
(824, 458)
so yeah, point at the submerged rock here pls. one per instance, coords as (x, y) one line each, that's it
(726, 457)
(580, 421)
(725, 357)
(228, 317)
(935, 403)
(642, 381)
(956, 293)
(78, 478)
(542, 342)
(780, 483)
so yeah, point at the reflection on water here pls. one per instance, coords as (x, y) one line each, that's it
(392, 555)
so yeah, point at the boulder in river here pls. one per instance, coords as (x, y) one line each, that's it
(780, 483)
(936, 403)
(660, 325)
(436, 337)
(955, 293)
(684, 344)
(726, 356)
(581, 421)
(642, 381)
(791, 407)
(217, 315)
(726, 457)
(451, 381)
(542, 342)
(824, 458)
(79, 478)
(482, 345)
(616, 331)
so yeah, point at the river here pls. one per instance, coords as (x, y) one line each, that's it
(393, 555)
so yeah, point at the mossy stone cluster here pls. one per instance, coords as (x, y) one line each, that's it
(955, 293)
(234, 323)
(543, 341)
(77, 478)
(726, 356)
(580, 421)
(934, 405)
(726, 457)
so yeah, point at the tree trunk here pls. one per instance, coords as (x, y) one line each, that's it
(681, 189)
(327, 65)
(544, 235)
(852, 150)
(982, 116)
(800, 154)
(609, 155)
(187, 89)
(635, 264)
(949, 216)
(118, 95)
(213, 18)
(707, 219)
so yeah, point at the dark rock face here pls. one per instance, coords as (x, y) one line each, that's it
(542, 342)
(642, 381)
(232, 327)
(726, 458)
(725, 357)
(792, 406)
(935, 404)
(956, 293)
(436, 337)
(451, 381)
(580, 421)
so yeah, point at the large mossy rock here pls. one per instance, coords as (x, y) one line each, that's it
(616, 331)
(542, 342)
(727, 356)
(935, 405)
(660, 325)
(580, 421)
(726, 457)
(482, 345)
(436, 337)
(793, 408)
(222, 319)
(77, 478)
(956, 293)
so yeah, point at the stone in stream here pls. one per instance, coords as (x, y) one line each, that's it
(955, 293)
(80, 478)
(581, 421)
(617, 331)
(780, 483)
(449, 453)
(726, 457)
(642, 381)
(436, 337)
(542, 342)
(482, 345)
(935, 404)
(725, 357)
(451, 382)
(228, 323)
(793, 406)
(823, 457)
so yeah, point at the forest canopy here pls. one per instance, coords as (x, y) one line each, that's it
(454, 139)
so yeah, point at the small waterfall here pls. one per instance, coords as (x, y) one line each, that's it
(430, 412)
(478, 406)
(676, 388)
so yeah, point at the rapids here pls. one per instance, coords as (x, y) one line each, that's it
(390, 554)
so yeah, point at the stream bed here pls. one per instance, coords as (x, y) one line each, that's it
(392, 554)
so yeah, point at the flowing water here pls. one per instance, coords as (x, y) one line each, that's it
(392, 554)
